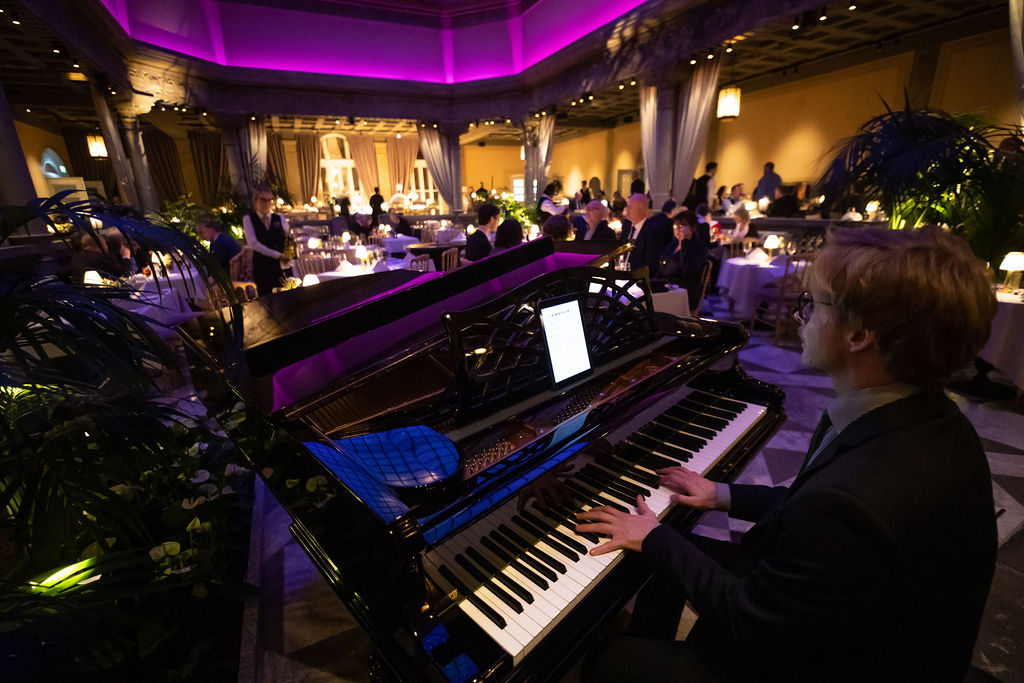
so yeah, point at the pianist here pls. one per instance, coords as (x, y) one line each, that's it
(875, 563)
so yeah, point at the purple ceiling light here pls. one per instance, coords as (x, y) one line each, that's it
(257, 36)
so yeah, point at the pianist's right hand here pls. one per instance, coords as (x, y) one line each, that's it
(690, 488)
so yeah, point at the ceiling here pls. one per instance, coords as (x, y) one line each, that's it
(34, 65)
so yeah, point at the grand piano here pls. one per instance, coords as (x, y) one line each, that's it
(403, 418)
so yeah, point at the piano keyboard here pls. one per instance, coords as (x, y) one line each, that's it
(520, 572)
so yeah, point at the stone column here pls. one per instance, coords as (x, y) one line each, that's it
(122, 169)
(15, 180)
(659, 179)
(140, 165)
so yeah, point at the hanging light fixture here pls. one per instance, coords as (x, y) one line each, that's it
(729, 102)
(97, 148)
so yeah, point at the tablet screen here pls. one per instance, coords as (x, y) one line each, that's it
(568, 353)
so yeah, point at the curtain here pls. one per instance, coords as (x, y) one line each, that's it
(1017, 45)
(695, 109)
(87, 166)
(275, 159)
(401, 159)
(649, 129)
(251, 138)
(164, 164)
(538, 143)
(444, 165)
(364, 155)
(307, 147)
(210, 160)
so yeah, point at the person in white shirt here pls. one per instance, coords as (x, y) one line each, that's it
(266, 233)
(733, 200)
(546, 207)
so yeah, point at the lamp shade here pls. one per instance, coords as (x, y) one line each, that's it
(97, 148)
(310, 279)
(729, 102)
(1013, 262)
(361, 252)
(772, 242)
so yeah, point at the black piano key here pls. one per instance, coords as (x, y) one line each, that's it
(506, 580)
(546, 539)
(597, 500)
(602, 486)
(695, 417)
(628, 469)
(496, 590)
(567, 517)
(642, 456)
(686, 426)
(528, 547)
(707, 410)
(487, 610)
(541, 524)
(499, 551)
(719, 401)
(666, 449)
(673, 436)
(616, 480)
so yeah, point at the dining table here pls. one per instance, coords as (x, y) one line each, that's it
(742, 276)
(1003, 348)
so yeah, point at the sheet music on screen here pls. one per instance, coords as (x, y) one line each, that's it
(566, 341)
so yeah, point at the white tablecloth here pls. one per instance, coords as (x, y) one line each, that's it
(742, 277)
(187, 284)
(396, 245)
(1003, 348)
(674, 301)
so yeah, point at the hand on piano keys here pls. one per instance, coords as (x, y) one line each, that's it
(690, 488)
(627, 531)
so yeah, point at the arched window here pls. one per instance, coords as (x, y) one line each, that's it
(339, 176)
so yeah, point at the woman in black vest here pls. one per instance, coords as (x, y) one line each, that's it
(546, 207)
(266, 233)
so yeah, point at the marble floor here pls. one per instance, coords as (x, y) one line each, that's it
(296, 630)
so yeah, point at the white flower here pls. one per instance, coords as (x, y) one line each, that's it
(201, 476)
(189, 503)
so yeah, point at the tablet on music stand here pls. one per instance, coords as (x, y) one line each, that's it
(565, 338)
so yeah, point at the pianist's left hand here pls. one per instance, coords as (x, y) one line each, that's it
(626, 530)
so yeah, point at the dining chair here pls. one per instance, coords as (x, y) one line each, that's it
(742, 246)
(775, 301)
(420, 263)
(705, 278)
(450, 259)
(240, 266)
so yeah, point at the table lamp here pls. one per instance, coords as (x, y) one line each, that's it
(470, 229)
(772, 242)
(346, 237)
(310, 279)
(92, 277)
(1013, 264)
(314, 243)
(361, 254)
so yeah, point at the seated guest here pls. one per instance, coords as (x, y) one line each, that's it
(557, 228)
(395, 219)
(743, 228)
(478, 245)
(734, 199)
(861, 569)
(788, 205)
(684, 257)
(707, 228)
(648, 234)
(668, 207)
(718, 205)
(618, 203)
(90, 253)
(594, 223)
(222, 247)
(361, 224)
(509, 234)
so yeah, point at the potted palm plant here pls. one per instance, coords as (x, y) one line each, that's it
(117, 507)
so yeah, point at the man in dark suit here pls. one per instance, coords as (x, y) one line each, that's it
(649, 234)
(593, 224)
(478, 245)
(875, 563)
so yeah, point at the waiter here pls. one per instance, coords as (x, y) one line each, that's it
(266, 233)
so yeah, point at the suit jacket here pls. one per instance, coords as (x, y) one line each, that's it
(478, 246)
(874, 565)
(601, 233)
(655, 234)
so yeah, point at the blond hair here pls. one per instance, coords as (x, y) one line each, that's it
(923, 293)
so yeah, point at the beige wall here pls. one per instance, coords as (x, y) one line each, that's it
(481, 164)
(795, 125)
(581, 159)
(976, 75)
(33, 142)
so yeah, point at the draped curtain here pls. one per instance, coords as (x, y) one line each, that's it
(210, 161)
(275, 159)
(1017, 46)
(695, 109)
(443, 164)
(164, 164)
(649, 129)
(307, 147)
(364, 155)
(251, 138)
(401, 159)
(87, 166)
(538, 143)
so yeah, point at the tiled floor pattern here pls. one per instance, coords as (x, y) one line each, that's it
(297, 630)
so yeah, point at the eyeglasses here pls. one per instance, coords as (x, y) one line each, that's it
(805, 307)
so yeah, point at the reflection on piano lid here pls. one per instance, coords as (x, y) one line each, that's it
(400, 451)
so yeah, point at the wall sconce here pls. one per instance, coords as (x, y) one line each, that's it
(97, 148)
(729, 102)
(1013, 264)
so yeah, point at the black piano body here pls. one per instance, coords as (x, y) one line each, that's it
(395, 416)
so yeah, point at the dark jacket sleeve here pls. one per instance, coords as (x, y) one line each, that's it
(752, 501)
